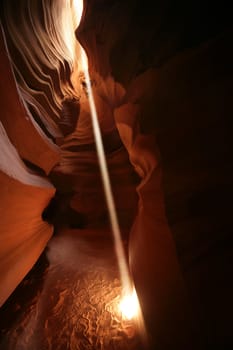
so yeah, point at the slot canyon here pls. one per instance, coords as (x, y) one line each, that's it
(161, 81)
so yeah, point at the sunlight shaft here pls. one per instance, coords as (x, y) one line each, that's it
(123, 267)
(129, 305)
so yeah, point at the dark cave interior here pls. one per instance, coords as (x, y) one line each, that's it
(162, 82)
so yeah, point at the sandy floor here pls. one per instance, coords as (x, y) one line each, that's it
(70, 299)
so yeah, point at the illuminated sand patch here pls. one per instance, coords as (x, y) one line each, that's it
(77, 306)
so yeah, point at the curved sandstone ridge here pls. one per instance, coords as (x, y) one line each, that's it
(24, 235)
(30, 141)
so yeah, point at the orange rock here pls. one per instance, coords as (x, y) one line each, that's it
(24, 234)
(30, 141)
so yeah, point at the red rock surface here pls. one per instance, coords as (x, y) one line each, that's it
(177, 68)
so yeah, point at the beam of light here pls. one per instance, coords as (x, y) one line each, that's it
(129, 305)
(106, 181)
(123, 268)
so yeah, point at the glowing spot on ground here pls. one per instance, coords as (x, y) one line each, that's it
(129, 305)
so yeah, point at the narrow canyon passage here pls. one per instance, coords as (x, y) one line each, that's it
(162, 83)
(71, 297)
